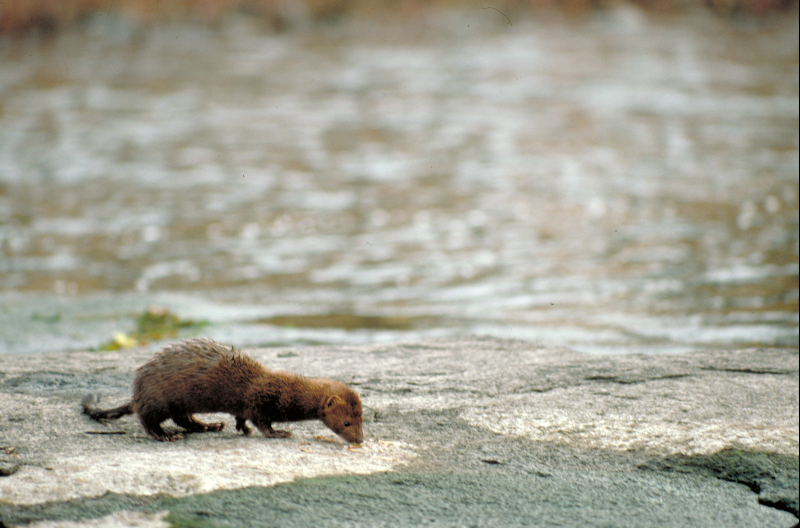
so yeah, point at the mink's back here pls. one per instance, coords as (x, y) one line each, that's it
(197, 375)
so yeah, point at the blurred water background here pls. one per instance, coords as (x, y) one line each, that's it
(615, 182)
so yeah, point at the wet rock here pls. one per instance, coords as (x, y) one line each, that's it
(8, 467)
(774, 477)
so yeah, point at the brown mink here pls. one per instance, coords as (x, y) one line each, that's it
(203, 376)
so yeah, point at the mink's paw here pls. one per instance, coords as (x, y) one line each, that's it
(272, 433)
(168, 437)
(241, 425)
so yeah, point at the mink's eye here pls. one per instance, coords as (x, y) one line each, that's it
(347, 424)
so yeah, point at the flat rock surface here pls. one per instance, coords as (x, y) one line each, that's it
(458, 432)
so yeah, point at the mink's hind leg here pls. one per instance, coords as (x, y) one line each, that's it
(190, 423)
(241, 425)
(152, 426)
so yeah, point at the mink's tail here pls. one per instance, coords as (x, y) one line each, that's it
(89, 404)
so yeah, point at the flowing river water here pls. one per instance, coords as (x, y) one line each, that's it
(617, 183)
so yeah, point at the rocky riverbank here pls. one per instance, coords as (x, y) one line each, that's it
(468, 432)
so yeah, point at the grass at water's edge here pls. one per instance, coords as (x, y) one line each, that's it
(19, 17)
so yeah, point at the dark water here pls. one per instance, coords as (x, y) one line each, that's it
(615, 184)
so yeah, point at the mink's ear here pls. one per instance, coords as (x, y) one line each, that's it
(332, 400)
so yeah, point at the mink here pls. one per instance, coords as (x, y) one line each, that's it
(203, 376)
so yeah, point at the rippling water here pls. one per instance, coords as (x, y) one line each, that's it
(613, 184)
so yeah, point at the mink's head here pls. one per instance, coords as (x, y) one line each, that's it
(342, 415)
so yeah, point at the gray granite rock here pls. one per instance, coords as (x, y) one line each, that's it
(471, 432)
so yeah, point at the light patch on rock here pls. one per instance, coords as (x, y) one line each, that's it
(192, 467)
(666, 416)
(646, 433)
(61, 462)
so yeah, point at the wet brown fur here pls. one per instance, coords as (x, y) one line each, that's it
(203, 376)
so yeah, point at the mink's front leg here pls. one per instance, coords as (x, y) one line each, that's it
(267, 430)
(241, 425)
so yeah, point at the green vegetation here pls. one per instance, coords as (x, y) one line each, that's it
(152, 325)
(54, 318)
(346, 321)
